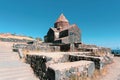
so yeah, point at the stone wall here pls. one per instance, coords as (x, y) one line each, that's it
(58, 65)
(41, 62)
(99, 64)
(96, 51)
(42, 47)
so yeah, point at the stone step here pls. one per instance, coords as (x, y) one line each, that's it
(15, 56)
(17, 72)
(11, 55)
(12, 64)
(11, 67)
(24, 78)
(7, 53)
(28, 78)
(16, 77)
(6, 59)
(99, 61)
(14, 68)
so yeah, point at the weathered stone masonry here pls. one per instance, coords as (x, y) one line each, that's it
(63, 32)
(53, 63)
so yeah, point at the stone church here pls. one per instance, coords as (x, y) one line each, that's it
(63, 32)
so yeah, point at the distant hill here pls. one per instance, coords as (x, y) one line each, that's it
(7, 37)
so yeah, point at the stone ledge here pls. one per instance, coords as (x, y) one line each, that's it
(64, 71)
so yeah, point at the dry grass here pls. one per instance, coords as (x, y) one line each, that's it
(15, 36)
(96, 76)
(25, 51)
(99, 73)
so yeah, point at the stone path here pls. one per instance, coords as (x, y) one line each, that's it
(11, 68)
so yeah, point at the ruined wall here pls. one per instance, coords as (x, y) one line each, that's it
(65, 40)
(74, 34)
(61, 24)
(61, 66)
(42, 47)
(96, 51)
(41, 62)
(50, 36)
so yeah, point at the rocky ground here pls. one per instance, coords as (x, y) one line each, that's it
(113, 70)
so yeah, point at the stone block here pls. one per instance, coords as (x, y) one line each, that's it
(64, 71)
(99, 61)
(40, 62)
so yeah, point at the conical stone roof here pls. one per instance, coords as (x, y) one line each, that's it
(62, 18)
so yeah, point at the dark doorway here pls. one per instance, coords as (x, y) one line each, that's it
(65, 47)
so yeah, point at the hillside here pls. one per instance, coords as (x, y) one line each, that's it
(7, 37)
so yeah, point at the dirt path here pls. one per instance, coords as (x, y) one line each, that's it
(113, 72)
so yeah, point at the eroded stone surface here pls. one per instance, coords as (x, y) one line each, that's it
(64, 71)
(56, 63)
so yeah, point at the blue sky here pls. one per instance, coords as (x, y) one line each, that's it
(99, 20)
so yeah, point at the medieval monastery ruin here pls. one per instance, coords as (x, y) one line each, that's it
(62, 55)
(63, 32)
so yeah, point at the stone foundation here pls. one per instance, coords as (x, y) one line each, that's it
(58, 65)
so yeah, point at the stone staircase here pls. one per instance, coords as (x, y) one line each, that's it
(11, 67)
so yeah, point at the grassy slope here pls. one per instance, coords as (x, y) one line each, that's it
(7, 35)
